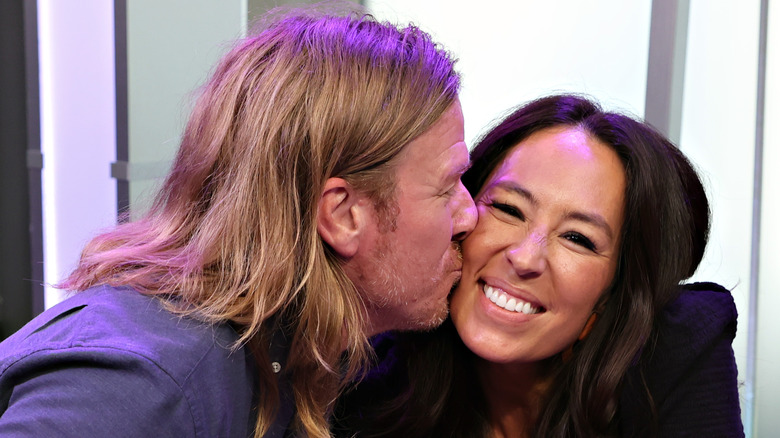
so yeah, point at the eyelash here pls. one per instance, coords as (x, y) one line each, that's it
(448, 192)
(508, 209)
(571, 236)
(581, 240)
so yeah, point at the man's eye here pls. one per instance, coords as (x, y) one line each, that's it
(449, 192)
(581, 240)
(508, 209)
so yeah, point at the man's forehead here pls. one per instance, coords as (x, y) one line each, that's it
(435, 160)
(441, 149)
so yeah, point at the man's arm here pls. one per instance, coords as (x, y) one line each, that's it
(78, 392)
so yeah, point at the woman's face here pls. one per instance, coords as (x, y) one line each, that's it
(544, 249)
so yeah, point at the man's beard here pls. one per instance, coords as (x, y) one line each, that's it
(388, 291)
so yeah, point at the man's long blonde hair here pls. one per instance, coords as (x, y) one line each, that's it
(232, 235)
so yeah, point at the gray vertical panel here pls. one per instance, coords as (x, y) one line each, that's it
(666, 66)
(34, 153)
(122, 141)
(755, 241)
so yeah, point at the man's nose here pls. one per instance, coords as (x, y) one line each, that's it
(465, 214)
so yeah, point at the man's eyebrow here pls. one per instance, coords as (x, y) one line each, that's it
(463, 169)
(456, 173)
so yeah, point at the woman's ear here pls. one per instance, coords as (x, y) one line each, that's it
(341, 216)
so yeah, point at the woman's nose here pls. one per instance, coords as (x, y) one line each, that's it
(529, 256)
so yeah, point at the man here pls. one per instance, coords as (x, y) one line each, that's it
(315, 200)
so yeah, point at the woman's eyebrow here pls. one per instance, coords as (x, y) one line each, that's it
(593, 219)
(516, 188)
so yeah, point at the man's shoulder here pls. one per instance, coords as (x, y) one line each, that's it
(120, 356)
(107, 321)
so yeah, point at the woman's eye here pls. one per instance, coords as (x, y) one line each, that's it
(508, 209)
(581, 240)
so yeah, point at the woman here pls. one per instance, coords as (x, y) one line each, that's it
(569, 319)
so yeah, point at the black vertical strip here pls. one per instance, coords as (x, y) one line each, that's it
(122, 139)
(15, 298)
(755, 244)
(35, 190)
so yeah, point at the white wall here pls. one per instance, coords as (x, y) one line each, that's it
(76, 59)
(767, 388)
(512, 51)
(718, 134)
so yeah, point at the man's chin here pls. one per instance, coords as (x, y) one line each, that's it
(434, 321)
(435, 324)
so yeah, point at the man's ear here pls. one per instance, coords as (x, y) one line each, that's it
(341, 216)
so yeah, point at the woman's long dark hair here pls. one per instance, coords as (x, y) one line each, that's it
(664, 233)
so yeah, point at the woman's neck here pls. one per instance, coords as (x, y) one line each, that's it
(514, 394)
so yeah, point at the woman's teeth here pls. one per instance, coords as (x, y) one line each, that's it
(501, 299)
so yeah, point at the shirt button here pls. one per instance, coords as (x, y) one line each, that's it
(276, 366)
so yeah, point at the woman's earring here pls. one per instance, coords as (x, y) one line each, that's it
(568, 352)
(588, 326)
